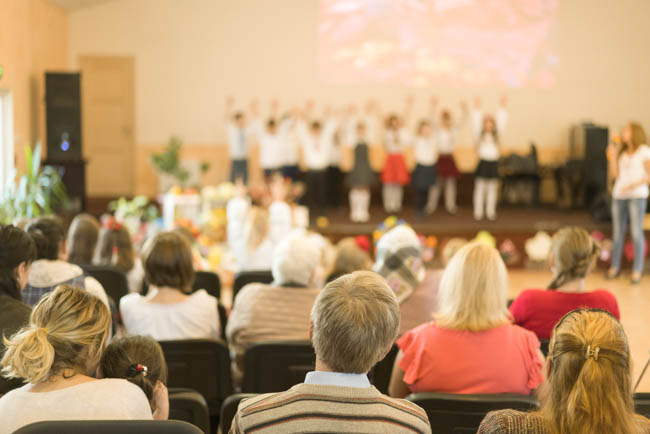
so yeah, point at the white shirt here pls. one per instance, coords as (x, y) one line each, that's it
(396, 141)
(488, 148)
(290, 147)
(107, 399)
(337, 379)
(45, 272)
(196, 317)
(446, 136)
(135, 276)
(350, 137)
(425, 150)
(272, 154)
(631, 169)
(318, 148)
(238, 140)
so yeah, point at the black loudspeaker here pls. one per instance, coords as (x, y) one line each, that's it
(63, 116)
(589, 144)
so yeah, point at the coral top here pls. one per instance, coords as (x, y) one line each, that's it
(504, 359)
(538, 310)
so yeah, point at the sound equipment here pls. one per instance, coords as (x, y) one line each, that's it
(63, 115)
(589, 144)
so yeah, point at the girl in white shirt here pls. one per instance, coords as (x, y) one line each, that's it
(424, 176)
(395, 174)
(630, 167)
(487, 130)
(57, 354)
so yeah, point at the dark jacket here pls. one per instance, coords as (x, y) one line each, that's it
(14, 314)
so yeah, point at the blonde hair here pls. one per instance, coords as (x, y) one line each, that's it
(350, 257)
(638, 137)
(573, 251)
(589, 381)
(256, 228)
(67, 329)
(355, 321)
(473, 290)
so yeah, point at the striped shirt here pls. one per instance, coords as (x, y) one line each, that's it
(329, 409)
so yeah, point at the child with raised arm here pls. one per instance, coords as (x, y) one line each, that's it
(425, 152)
(238, 134)
(270, 139)
(395, 174)
(487, 130)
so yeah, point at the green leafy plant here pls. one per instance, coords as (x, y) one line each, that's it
(138, 207)
(169, 162)
(38, 191)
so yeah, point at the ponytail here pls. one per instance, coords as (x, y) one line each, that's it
(29, 355)
(574, 251)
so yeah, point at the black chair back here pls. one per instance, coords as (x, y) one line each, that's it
(189, 406)
(223, 320)
(109, 427)
(243, 278)
(112, 279)
(380, 374)
(276, 366)
(229, 409)
(544, 346)
(202, 365)
(209, 281)
(642, 404)
(455, 413)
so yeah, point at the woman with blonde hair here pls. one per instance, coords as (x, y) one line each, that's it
(629, 165)
(589, 387)
(470, 346)
(57, 354)
(573, 255)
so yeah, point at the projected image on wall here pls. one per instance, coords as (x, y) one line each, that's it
(444, 42)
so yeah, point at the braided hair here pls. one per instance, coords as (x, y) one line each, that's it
(574, 251)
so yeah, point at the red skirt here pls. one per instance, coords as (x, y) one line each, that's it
(446, 167)
(395, 171)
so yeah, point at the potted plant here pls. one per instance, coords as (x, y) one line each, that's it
(172, 171)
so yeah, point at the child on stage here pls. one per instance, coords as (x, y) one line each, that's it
(395, 174)
(487, 130)
(448, 173)
(424, 176)
(271, 138)
(238, 133)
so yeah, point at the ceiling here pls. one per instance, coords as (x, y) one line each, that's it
(75, 5)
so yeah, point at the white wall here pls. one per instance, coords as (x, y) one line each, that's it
(190, 54)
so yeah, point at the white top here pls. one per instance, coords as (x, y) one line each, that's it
(45, 272)
(396, 141)
(259, 259)
(631, 169)
(196, 317)
(135, 276)
(488, 148)
(290, 147)
(350, 136)
(272, 155)
(318, 148)
(107, 399)
(446, 136)
(238, 140)
(425, 150)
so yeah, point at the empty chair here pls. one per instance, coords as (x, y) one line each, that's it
(276, 366)
(463, 413)
(110, 427)
(189, 406)
(243, 278)
(209, 281)
(642, 404)
(202, 365)
(112, 279)
(381, 372)
(229, 409)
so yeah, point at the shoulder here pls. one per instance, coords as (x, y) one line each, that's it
(125, 395)
(644, 150)
(131, 300)
(511, 421)
(201, 297)
(604, 294)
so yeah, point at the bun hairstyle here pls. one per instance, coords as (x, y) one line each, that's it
(138, 359)
(67, 329)
(589, 380)
(574, 251)
(48, 235)
(17, 248)
(82, 239)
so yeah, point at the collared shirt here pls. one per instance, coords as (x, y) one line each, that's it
(337, 379)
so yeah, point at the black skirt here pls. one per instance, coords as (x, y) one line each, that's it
(424, 177)
(362, 175)
(487, 169)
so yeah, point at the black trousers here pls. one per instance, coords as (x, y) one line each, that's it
(334, 186)
(317, 192)
(421, 199)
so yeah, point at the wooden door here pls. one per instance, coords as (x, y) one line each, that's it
(107, 87)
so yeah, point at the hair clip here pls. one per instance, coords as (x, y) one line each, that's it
(363, 243)
(112, 224)
(136, 369)
(592, 352)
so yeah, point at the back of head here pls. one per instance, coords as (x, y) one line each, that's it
(48, 235)
(82, 239)
(295, 260)
(355, 321)
(350, 257)
(589, 379)
(473, 290)
(138, 359)
(17, 248)
(115, 248)
(68, 329)
(167, 260)
(256, 228)
(573, 251)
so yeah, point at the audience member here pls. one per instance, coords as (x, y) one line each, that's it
(589, 387)
(82, 239)
(573, 255)
(471, 346)
(50, 270)
(116, 249)
(169, 311)
(351, 255)
(279, 311)
(57, 354)
(354, 323)
(17, 253)
(140, 360)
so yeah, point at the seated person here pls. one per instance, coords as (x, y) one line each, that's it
(279, 311)
(115, 248)
(589, 388)
(82, 239)
(351, 255)
(572, 257)
(354, 323)
(170, 311)
(140, 360)
(470, 346)
(57, 354)
(17, 253)
(50, 269)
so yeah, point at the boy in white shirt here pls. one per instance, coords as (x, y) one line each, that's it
(238, 134)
